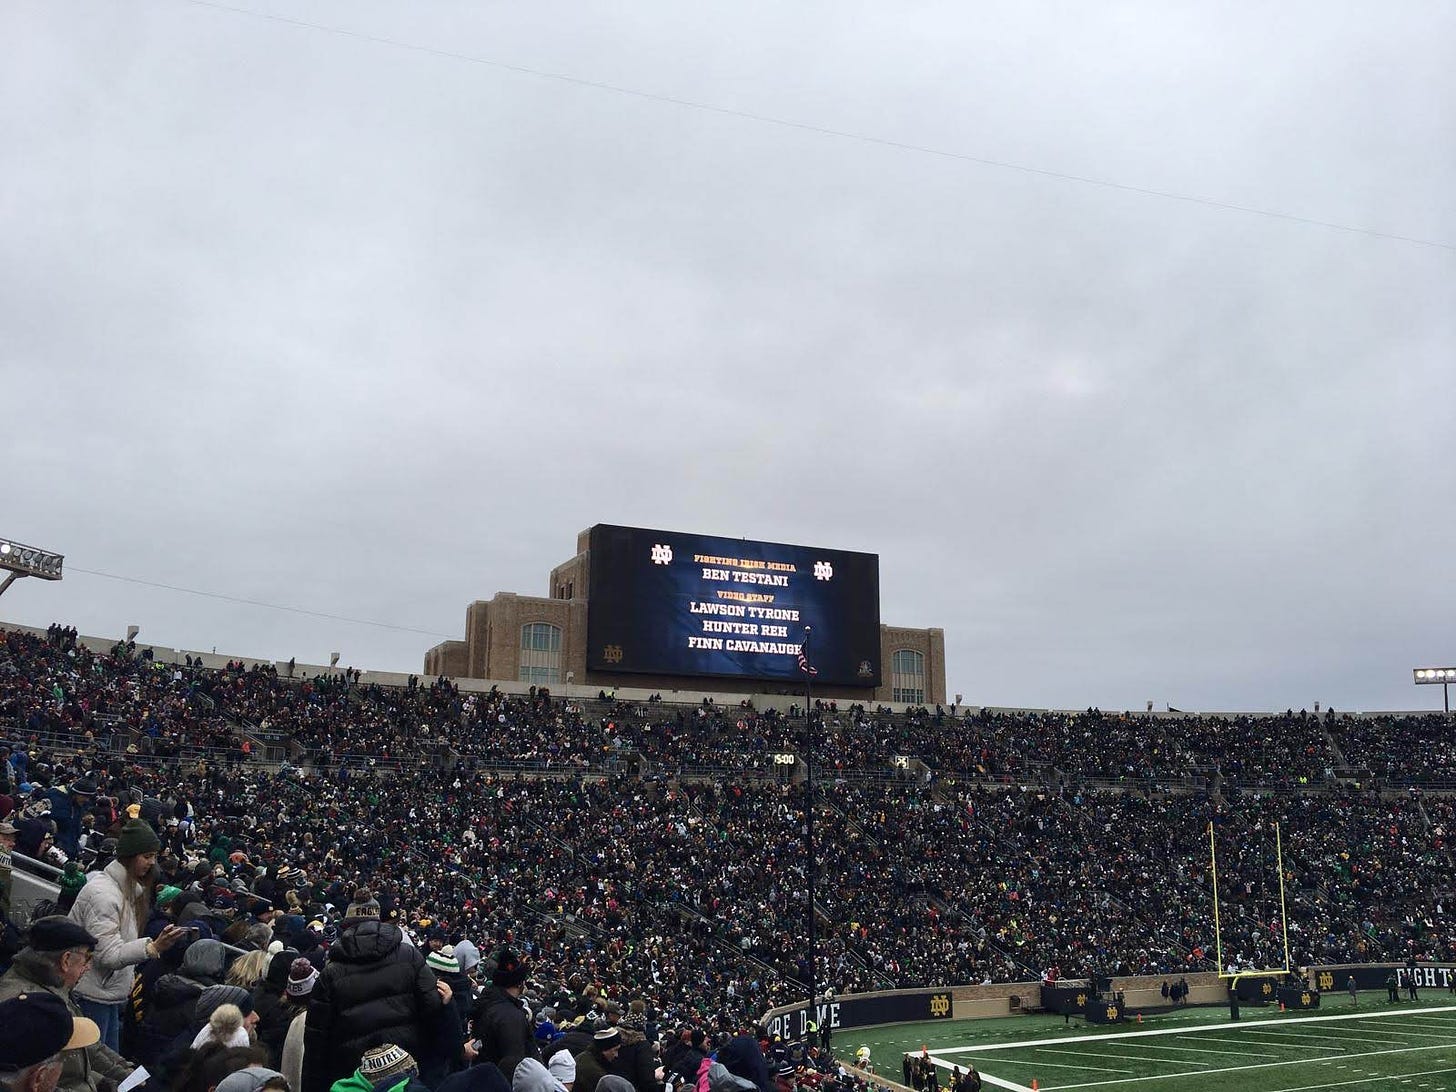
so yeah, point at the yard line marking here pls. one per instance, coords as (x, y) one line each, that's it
(1343, 1084)
(1245, 1068)
(1225, 1026)
(1057, 1065)
(1406, 1033)
(1114, 1057)
(1294, 1039)
(1210, 1038)
(1001, 1082)
(1356, 1036)
(1206, 1050)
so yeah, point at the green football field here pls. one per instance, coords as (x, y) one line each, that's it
(1369, 1046)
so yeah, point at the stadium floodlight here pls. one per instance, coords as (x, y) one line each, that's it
(22, 561)
(1437, 676)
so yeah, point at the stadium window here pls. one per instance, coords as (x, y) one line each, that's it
(540, 654)
(907, 676)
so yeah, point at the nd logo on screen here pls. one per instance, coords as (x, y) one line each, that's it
(661, 554)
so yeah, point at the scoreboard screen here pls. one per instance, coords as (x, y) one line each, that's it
(666, 603)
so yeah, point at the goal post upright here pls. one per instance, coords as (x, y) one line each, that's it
(1283, 915)
(1218, 918)
(1217, 928)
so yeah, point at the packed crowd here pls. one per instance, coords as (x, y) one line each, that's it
(55, 686)
(691, 894)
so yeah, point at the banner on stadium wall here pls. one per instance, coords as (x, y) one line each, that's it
(1256, 990)
(1079, 1000)
(1293, 998)
(861, 1012)
(1065, 1000)
(1104, 1012)
(1372, 976)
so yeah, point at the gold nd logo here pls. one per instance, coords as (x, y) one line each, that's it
(1081, 1000)
(1327, 980)
(1267, 988)
(940, 1004)
(1112, 1012)
(1304, 998)
(612, 654)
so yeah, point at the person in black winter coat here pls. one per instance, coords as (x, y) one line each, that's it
(636, 1061)
(744, 1058)
(689, 1057)
(375, 989)
(501, 1025)
(447, 970)
(165, 1032)
(274, 1014)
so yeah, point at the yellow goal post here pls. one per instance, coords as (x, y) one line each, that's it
(1217, 916)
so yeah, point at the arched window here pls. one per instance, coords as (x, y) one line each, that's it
(540, 654)
(907, 676)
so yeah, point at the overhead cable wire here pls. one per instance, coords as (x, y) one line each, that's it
(823, 130)
(256, 602)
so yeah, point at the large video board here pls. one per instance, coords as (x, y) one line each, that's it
(666, 603)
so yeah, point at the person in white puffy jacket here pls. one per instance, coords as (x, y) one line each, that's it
(113, 907)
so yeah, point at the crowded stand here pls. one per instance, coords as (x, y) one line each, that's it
(639, 871)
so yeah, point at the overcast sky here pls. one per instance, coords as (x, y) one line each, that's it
(294, 315)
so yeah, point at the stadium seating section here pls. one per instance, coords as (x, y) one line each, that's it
(661, 844)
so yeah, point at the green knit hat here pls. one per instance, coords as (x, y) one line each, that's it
(137, 837)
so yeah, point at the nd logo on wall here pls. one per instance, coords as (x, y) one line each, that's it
(939, 1005)
(1326, 980)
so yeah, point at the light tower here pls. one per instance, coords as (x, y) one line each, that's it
(20, 560)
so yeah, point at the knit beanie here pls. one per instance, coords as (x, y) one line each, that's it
(137, 837)
(386, 1061)
(214, 997)
(510, 970)
(301, 977)
(224, 1025)
(443, 961)
(365, 905)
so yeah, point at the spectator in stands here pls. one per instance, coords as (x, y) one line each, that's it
(167, 1026)
(272, 1004)
(56, 956)
(597, 1061)
(36, 1029)
(374, 989)
(301, 979)
(8, 833)
(501, 1024)
(113, 907)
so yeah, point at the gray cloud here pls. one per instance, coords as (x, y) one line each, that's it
(304, 318)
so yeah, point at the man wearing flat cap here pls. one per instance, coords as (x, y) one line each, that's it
(36, 1029)
(56, 955)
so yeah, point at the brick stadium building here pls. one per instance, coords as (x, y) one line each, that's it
(543, 641)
